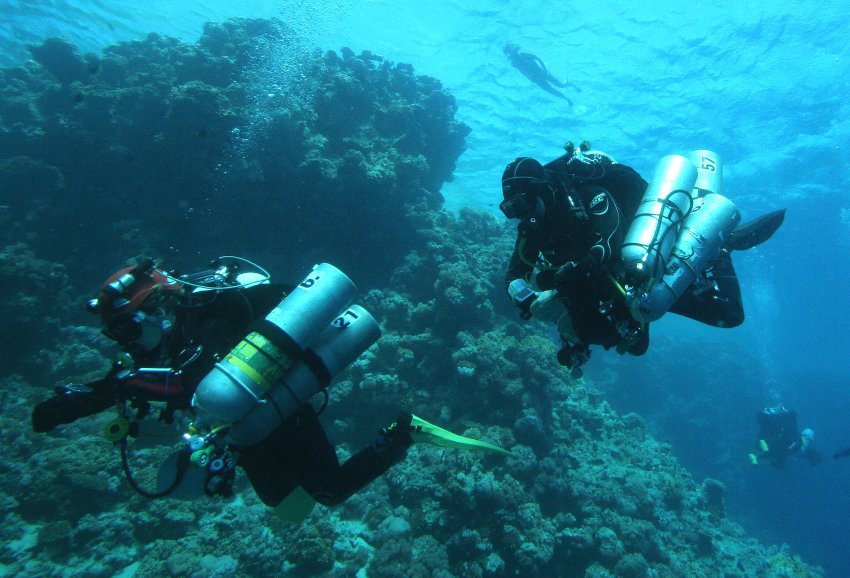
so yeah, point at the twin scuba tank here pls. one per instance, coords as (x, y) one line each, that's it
(679, 228)
(295, 352)
(284, 360)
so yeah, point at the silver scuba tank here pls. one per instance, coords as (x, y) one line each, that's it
(665, 204)
(337, 347)
(241, 380)
(705, 229)
(709, 173)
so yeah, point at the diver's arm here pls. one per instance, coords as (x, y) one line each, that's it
(244, 304)
(517, 277)
(522, 260)
(72, 402)
(264, 298)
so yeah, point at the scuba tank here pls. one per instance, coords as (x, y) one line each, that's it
(285, 359)
(709, 223)
(709, 173)
(665, 204)
(702, 235)
(258, 364)
(335, 348)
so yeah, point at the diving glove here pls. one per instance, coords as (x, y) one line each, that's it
(571, 274)
(573, 356)
(72, 402)
(393, 441)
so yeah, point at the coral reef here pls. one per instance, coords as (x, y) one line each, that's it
(350, 175)
(172, 140)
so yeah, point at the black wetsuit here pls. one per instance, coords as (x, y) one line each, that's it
(532, 67)
(205, 330)
(298, 453)
(588, 214)
(778, 428)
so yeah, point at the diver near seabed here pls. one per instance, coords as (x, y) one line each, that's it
(533, 68)
(245, 358)
(779, 439)
(600, 253)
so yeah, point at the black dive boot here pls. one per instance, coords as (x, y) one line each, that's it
(756, 232)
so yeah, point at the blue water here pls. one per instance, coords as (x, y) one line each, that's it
(765, 85)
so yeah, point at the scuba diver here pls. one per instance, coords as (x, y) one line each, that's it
(533, 68)
(600, 253)
(778, 438)
(244, 357)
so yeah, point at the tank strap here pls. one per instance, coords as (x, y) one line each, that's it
(278, 337)
(317, 366)
(291, 349)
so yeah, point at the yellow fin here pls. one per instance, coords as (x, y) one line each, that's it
(428, 433)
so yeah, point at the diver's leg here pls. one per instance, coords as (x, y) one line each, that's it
(330, 483)
(269, 463)
(714, 298)
(299, 453)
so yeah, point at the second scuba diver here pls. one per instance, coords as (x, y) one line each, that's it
(779, 439)
(601, 253)
(245, 357)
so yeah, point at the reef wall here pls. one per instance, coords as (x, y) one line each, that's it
(191, 151)
(246, 141)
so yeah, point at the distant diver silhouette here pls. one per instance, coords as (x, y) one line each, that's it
(533, 68)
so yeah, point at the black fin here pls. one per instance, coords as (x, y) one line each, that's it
(755, 232)
(842, 454)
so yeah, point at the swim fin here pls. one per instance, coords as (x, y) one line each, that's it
(296, 506)
(424, 432)
(842, 454)
(755, 232)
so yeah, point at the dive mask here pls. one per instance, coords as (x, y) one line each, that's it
(519, 206)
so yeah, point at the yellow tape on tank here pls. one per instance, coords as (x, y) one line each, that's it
(260, 359)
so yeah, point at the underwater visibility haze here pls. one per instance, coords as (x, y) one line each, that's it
(372, 135)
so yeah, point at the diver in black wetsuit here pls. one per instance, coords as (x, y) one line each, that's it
(175, 336)
(533, 68)
(220, 345)
(566, 267)
(778, 438)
